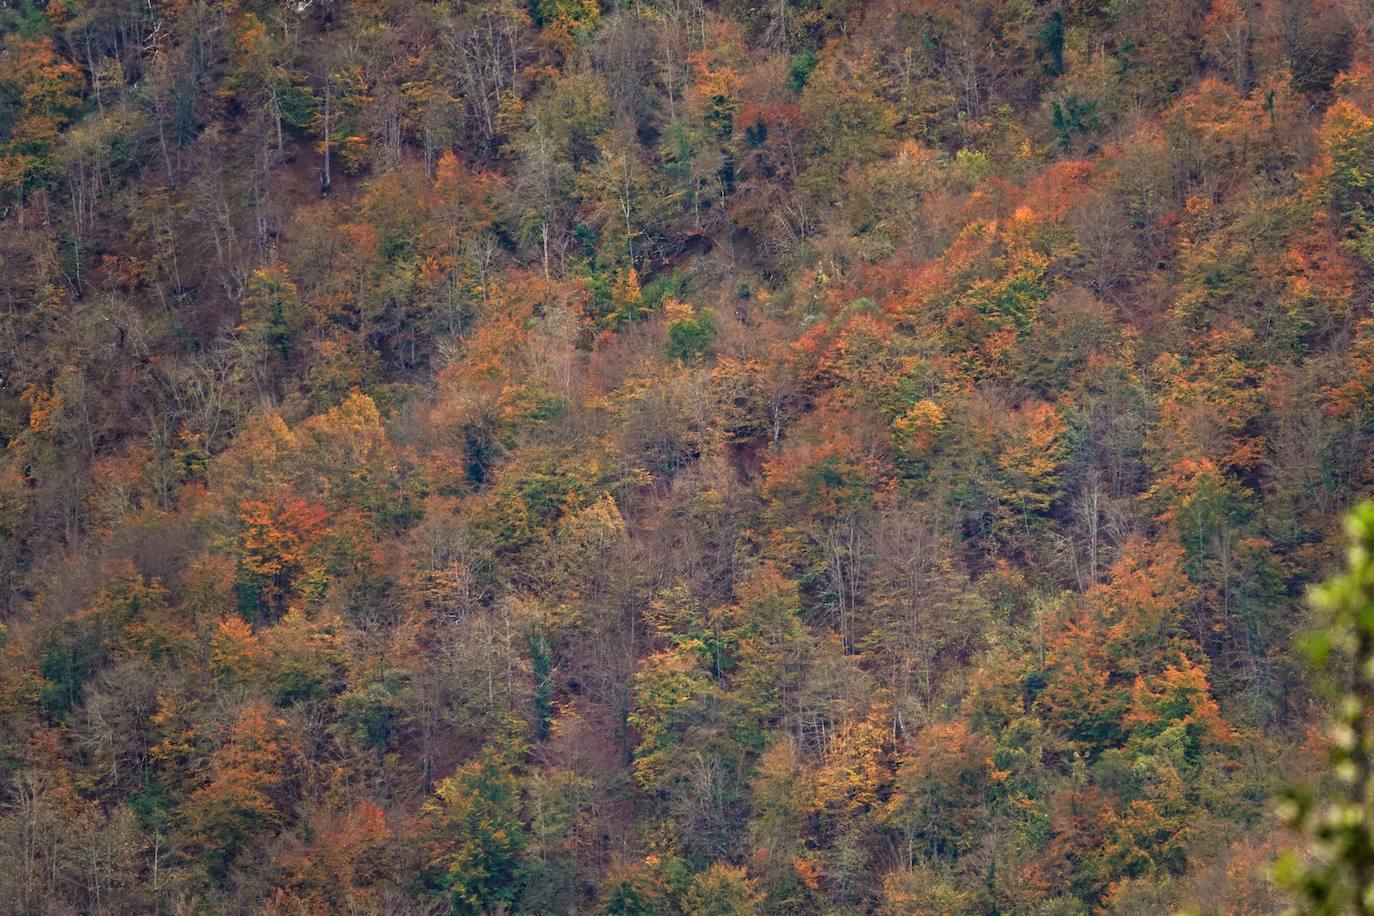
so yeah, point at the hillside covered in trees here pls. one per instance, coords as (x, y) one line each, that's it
(672, 456)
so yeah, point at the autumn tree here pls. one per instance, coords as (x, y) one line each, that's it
(42, 91)
(478, 835)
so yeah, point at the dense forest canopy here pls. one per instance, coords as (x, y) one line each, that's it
(672, 456)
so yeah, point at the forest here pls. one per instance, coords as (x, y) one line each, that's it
(673, 456)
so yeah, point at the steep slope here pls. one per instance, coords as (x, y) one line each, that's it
(668, 456)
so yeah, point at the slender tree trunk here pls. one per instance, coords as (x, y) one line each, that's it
(328, 129)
